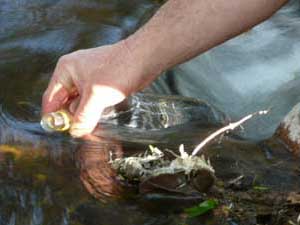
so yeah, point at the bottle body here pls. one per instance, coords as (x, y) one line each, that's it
(146, 112)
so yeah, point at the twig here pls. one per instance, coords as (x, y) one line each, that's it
(230, 126)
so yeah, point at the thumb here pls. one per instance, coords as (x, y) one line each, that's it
(92, 103)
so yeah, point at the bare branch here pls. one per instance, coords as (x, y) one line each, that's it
(230, 126)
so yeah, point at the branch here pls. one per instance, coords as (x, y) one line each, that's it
(230, 126)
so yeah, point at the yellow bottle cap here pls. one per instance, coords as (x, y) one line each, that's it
(58, 121)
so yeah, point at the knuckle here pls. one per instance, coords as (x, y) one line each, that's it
(62, 70)
(63, 61)
(78, 52)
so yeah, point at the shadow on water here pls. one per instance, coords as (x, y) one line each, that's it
(54, 179)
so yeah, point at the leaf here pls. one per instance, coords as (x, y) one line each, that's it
(202, 208)
(261, 188)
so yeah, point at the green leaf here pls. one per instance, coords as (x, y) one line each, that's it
(202, 208)
(261, 188)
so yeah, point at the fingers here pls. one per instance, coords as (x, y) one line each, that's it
(54, 98)
(58, 91)
(74, 105)
(92, 104)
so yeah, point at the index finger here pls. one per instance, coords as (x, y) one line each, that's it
(58, 92)
(54, 97)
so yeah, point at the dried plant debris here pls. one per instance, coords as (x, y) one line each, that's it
(156, 170)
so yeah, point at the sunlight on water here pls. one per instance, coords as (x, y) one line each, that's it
(54, 179)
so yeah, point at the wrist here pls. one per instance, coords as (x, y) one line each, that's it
(143, 54)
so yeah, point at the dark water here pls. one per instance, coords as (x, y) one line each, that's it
(53, 179)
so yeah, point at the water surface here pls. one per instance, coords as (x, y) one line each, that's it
(54, 179)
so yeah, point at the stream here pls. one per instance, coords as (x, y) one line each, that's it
(54, 179)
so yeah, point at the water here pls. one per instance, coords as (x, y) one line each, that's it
(54, 179)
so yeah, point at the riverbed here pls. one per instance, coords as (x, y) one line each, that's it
(55, 179)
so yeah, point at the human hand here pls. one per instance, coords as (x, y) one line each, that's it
(100, 77)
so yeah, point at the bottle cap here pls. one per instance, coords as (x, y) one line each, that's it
(58, 121)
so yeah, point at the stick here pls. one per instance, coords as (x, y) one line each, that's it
(230, 126)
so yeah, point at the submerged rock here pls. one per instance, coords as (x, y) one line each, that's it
(289, 130)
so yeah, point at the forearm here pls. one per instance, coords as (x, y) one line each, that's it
(181, 29)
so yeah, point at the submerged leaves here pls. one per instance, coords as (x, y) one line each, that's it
(202, 208)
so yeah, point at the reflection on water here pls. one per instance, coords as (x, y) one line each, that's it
(50, 179)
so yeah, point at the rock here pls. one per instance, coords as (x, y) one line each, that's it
(163, 183)
(289, 130)
(155, 172)
(241, 183)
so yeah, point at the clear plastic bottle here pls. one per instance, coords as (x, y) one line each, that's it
(146, 112)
